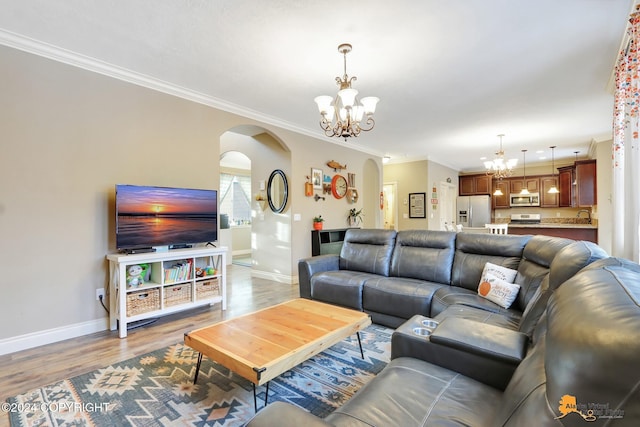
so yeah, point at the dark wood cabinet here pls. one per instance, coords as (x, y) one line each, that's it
(517, 184)
(472, 185)
(578, 184)
(586, 186)
(548, 200)
(566, 177)
(483, 184)
(501, 202)
(467, 186)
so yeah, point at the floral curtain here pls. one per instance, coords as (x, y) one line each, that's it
(626, 150)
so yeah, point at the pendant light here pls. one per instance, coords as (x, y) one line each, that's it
(575, 178)
(525, 190)
(498, 191)
(553, 189)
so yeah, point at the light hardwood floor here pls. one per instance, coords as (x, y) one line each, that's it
(28, 369)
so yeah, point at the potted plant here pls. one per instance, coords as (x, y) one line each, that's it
(355, 217)
(317, 222)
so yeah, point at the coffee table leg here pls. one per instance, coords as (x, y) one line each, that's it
(259, 372)
(195, 378)
(255, 399)
(360, 344)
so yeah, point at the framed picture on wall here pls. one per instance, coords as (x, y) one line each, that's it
(316, 178)
(417, 205)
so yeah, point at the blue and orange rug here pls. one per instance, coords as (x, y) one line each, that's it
(157, 389)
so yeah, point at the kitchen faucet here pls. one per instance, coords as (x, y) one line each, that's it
(588, 213)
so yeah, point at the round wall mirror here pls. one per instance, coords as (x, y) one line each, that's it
(277, 191)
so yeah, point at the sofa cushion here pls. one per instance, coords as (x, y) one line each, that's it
(474, 250)
(367, 250)
(537, 257)
(398, 297)
(508, 320)
(340, 287)
(424, 254)
(565, 263)
(411, 392)
(450, 295)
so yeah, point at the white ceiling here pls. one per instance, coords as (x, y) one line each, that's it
(450, 74)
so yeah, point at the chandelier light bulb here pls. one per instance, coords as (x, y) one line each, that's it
(525, 190)
(553, 189)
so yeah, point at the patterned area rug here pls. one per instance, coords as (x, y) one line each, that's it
(157, 389)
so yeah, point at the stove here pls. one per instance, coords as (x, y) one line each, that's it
(525, 218)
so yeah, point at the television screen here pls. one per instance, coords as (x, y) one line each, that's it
(162, 216)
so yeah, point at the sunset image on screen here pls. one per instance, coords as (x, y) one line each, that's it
(159, 216)
(158, 201)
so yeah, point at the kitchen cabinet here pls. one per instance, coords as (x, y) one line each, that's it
(473, 185)
(501, 202)
(578, 184)
(517, 184)
(586, 186)
(566, 177)
(548, 200)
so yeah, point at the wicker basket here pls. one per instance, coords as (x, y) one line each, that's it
(143, 301)
(177, 294)
(207, 288)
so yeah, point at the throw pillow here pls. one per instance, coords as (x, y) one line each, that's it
(504, 273)
(499, 291)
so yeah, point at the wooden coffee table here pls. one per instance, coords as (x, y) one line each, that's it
(262, 345)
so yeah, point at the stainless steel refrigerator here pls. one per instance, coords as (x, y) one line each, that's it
(474, 211)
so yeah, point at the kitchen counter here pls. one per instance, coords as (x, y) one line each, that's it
(552, 225)
(587, 232)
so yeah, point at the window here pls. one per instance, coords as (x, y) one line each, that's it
(235, 199)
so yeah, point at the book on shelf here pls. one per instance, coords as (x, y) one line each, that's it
(178, 272)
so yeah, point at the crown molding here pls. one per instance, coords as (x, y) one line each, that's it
(88, 63)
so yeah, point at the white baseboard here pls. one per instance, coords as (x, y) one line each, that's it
(241, 252)
(48, 336)
(276, 277)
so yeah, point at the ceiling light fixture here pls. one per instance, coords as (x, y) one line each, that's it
(524, 190)
(386, 159)
(498, 167)
(343, 115)
(498, 191)
(553, 189)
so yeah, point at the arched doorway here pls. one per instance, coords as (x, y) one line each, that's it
(235, 206)
(270, 231)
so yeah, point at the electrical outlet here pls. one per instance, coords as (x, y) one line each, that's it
(99, 293)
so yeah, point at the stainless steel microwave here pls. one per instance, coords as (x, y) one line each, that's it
(532, 199)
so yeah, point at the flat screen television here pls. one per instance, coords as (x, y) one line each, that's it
(161, 216)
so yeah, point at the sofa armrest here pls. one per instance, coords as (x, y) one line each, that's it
(281, 414)
(489, 341)
(307, 267)
(487, 353)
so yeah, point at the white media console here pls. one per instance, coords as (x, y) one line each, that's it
(178, 280)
